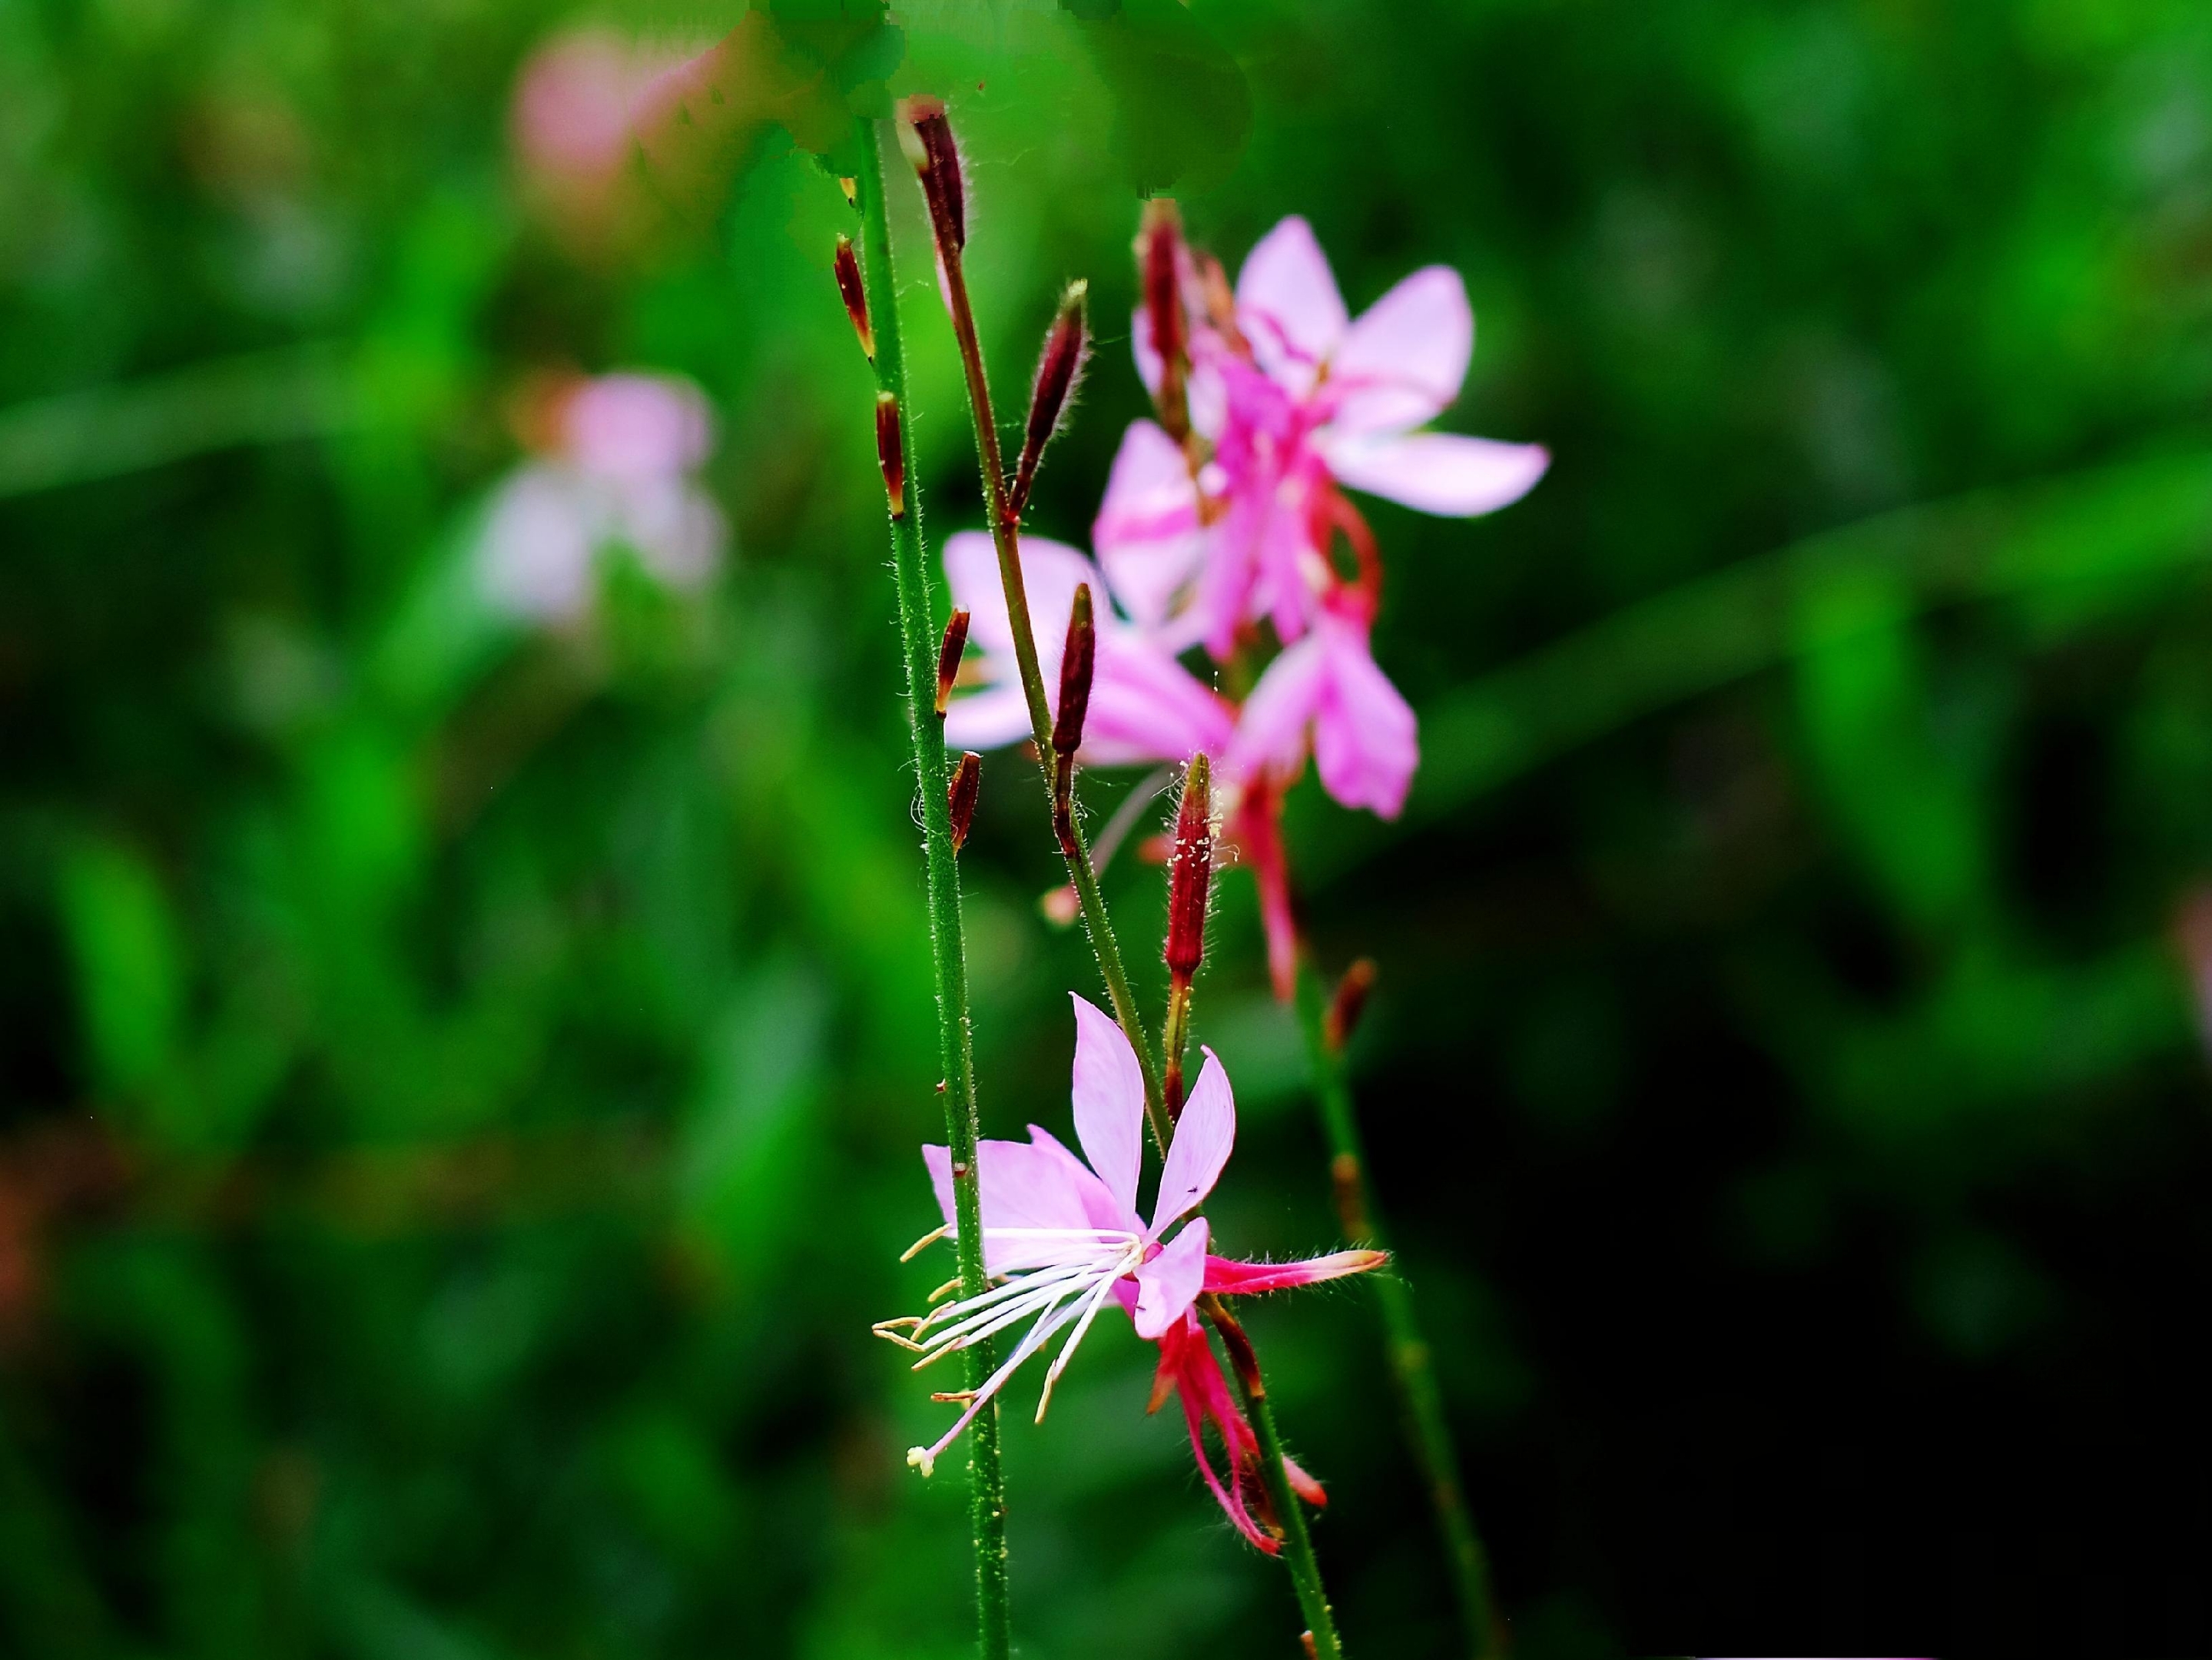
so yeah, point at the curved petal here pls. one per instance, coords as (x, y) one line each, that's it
(1024, 1185)
(1288, 305)
(1169, 1284)
(1108, 1092)
(986, 720)
(1051, 571)
(1147, 533)
(971, 571)
(1271, 728)
(1145, 706)
(1441, 472)
(1403, 360)
(1233, 1278)
(1365, 743)
(1204, 1134)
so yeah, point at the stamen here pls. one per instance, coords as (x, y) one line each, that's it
(925, 1241)
(946, 1290)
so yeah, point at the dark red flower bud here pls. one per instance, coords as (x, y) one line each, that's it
(1076, 664)
(1159, 243)
(856, 299)
(889, 452)
(960, 795)
(949, 652)
(1349, 1003)
(1060, 366)
(939, 165)
(1190, 874)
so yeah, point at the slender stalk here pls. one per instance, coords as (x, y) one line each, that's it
(919, 639)
(1428, 1431)
(1005, 532)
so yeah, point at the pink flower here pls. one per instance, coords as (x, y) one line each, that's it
(1298, 398)
(1326, 690)
(1062, 1238)
(619, 453)
(1145, 706)
(578, 103)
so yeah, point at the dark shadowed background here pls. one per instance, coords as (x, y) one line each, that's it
(460, 1079)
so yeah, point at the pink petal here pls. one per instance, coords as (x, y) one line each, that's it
(1204, 394)
(1271, 728)
(1169, 1284)
(1145, 706)
(1233, 1278)
(1204, 1134)
(1109, 1091)
(1147, 532)
(637, 426)
(1402, 362)
(1024, 1185)
(971, 570)
(1288, 305)
(1364, 745)
(1441, 472)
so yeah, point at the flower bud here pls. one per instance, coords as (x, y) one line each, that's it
(1076, 664)
(852, 189)
(1159, 243)
(938, 162)
(960, 795)
(889, 452)
(1059, 367)
(856, 299)
(1190, 874)
(1349, 1003)
(949, 652)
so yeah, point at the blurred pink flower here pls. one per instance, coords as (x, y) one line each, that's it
(578, 104)
(1145, 706)
(619, 453)
(1061, 1238)
(1298, 399)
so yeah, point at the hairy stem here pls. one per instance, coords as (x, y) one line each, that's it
(1005, 532)
(919, 638)
(1428, 1431)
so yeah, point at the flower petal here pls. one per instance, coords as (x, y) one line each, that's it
(1050, 573)
(1024, 1185)
(988, 719)
(1271, 728)
(1145, 706)
(1364, 743)
(1233, 1278)
(1204, 1134)
(1441, 472)
(1169, 1284)
(1109, 1091)
(1147, 533)
(1288, 305)
(1402, 362)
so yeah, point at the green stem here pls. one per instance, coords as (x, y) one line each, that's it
(918, 637)
(1005, 532)
(1427, 1429)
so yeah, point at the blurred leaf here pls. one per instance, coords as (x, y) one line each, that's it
(123, 942)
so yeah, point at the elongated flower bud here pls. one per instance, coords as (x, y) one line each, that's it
(1059, 368)
(937, 162)
(949, 651)
(1159, 242)
(960, 795)
(1190, 874)
(1349, 1003)
(889, 452)
(856, 299)
(1076, 664)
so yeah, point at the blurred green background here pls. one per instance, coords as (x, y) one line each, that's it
(462, 1079)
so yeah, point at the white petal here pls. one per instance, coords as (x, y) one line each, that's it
(1441, 472)
(1402, 362)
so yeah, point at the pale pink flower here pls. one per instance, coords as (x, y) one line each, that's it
(578, 103)
(1325, 690)
(619, 453)
(1145, 706)
(1062, 1238)
(1302, 399)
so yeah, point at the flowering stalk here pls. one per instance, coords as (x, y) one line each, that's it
(1327, 1024)
(936, 163)
(923, 651)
